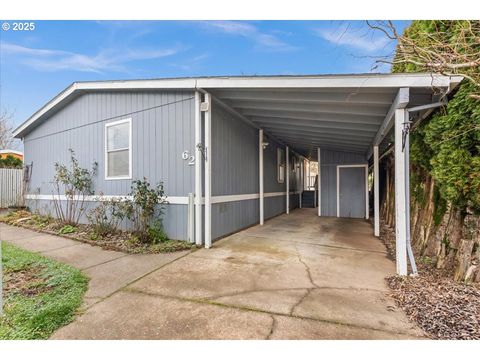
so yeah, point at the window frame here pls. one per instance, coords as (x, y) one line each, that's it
(106, 152)
(281, 164)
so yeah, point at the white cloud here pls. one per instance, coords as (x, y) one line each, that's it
(353, 37)
(191, 63)
(265, 41)
(106, 60)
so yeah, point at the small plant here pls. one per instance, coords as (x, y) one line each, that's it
(75, 183)
(107, 216)
(40, 220)
(156, 233)
(146, 209)
(67, 229)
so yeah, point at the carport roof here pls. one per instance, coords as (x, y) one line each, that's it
(341, 112)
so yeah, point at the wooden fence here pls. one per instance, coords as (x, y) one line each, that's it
(11, 187)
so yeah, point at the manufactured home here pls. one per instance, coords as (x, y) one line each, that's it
(233, 152)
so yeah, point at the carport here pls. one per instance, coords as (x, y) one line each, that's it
(308, 114)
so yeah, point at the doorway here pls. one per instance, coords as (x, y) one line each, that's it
(352, 191)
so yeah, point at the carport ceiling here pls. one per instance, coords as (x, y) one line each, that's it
(339, 112)
(345, 119)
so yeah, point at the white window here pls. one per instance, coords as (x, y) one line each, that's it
(280, 165)
(118, 150)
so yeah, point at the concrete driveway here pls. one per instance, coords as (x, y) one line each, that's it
(297, 277)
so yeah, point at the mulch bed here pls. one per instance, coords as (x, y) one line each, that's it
(443, 308)
(119, 241)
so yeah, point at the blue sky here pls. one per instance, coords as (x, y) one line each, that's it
(38, 64)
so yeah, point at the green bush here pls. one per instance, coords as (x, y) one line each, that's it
(447, 146)
(11, 162)
(145, 210)
(67, 229)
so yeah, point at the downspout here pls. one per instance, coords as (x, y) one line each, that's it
(406, 149)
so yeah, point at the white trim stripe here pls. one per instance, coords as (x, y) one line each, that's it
(174, 200)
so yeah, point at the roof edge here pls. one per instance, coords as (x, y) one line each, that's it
(274, 81)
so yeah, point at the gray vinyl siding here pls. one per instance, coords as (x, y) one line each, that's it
(234, 172)
(162, 128)
(328, 172)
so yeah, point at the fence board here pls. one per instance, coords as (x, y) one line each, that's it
(11, 187)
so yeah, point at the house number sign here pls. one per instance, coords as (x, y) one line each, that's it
(188, 157)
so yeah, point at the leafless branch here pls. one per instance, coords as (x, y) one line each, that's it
(444, 52)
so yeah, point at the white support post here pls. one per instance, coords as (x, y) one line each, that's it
(191, 218)
(400, 196)
(208, 171)
(198, 170)
(308, 174)
(287, 178)
(376, 192)
(367, 199)
(301, 184)
(410, 254)
(260, 174)
(319, 184)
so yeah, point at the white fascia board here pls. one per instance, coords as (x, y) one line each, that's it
(332, 81)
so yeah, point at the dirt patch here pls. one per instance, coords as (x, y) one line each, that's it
(26, 282)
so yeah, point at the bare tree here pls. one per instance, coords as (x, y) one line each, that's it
(6, 138)
(446, 52)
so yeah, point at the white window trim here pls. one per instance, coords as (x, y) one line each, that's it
(113, 123)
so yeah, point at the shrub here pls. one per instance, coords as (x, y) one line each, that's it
(145, 210)
(10, 162)
(76, 183)
(107, 216)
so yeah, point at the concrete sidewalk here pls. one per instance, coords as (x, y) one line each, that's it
(109, 271)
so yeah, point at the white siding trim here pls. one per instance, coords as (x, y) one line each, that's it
(174, 200)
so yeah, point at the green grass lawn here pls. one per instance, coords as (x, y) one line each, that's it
(40, 295)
